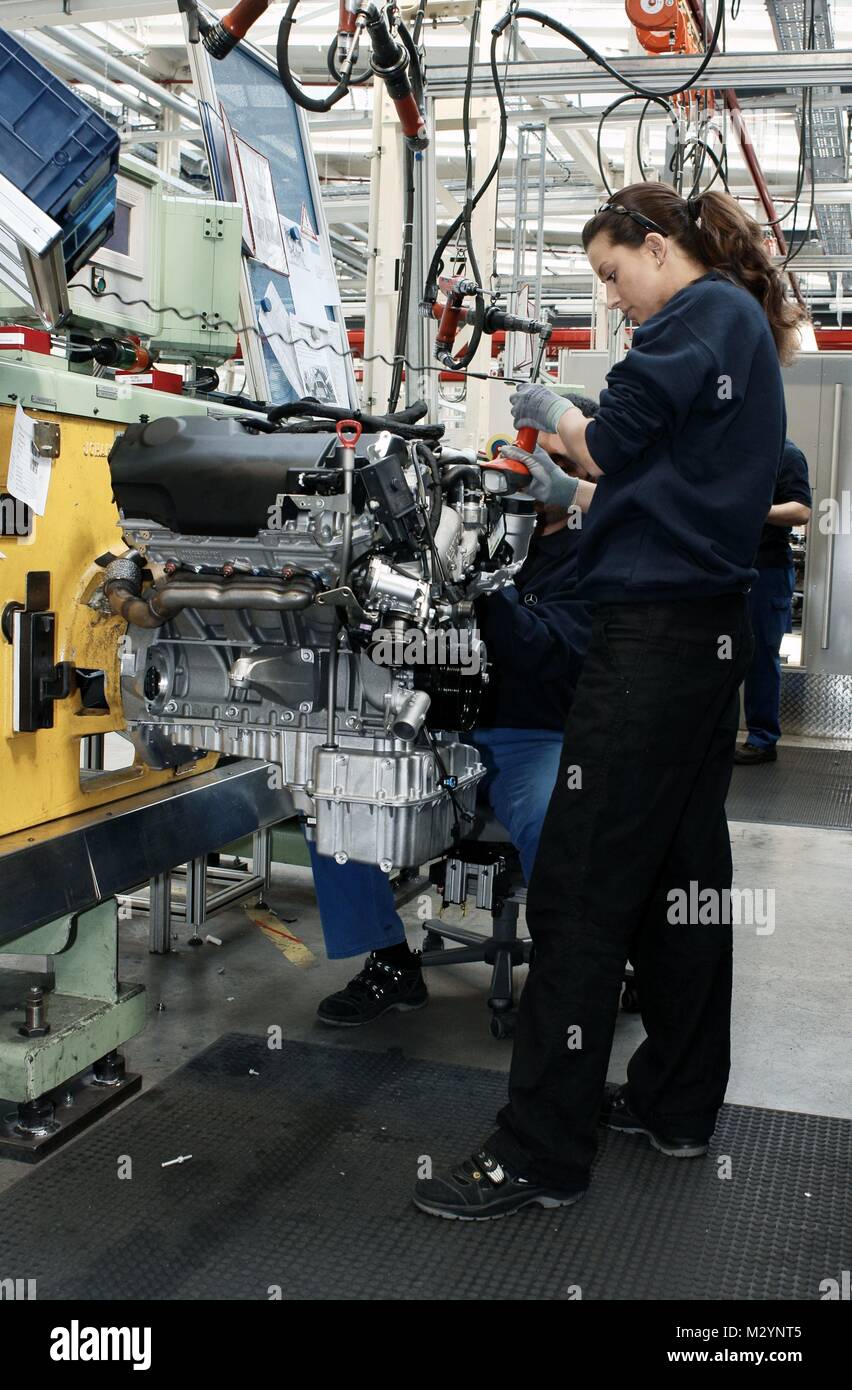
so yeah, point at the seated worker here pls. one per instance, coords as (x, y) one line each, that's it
(770, 606)
(536, 636)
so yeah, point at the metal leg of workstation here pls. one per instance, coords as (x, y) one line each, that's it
(160, 914)
(196, 897)
(261, 853)
(200, 901)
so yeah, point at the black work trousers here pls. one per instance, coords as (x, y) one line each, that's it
(637, 818)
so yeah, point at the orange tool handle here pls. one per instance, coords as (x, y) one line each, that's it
(448, 327)
(527, 439)
(346, 19)
(410, 116)
(240, 19)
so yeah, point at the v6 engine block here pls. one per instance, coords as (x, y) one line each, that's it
(310, 602)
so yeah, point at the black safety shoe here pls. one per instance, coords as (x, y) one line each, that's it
(748, 753)
(616, 1114)
(374, 990)
(481, 1189)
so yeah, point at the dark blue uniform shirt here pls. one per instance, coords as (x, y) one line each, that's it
(792, 485)
(536, 635)
(689, 438)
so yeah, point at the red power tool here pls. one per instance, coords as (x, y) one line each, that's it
(509, 475)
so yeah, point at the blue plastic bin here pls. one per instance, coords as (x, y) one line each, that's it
(54, 147)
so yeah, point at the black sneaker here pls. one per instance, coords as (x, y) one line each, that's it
(616, 1114)
(749, 753)
(481, 1189)
(374, 990)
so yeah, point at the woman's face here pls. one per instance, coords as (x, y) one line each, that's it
(636, 284)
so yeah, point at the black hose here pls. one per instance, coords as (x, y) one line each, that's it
(454, 471)
(372, 424)
(289, 83)
(339, 76)
(416, 75)
(572, 36)
(613, 106)
(431, 288)
(424, 452)
(406, 273)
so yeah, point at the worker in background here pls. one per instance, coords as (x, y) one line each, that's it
(770, 606)
(686, 448)
(535, 636)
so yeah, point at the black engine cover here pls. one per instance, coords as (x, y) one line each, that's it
(205, 477)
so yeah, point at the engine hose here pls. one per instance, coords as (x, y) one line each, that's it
(371, 424)
(454, 471)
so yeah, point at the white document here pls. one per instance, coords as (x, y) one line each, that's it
(237, 176)
(279, 328)
(313, 283)
(261, 207)
(29, 476)
(322, 366)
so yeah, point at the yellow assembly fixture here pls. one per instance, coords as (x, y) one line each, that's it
(40, 772)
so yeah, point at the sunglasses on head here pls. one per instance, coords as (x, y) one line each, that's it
(637, 217)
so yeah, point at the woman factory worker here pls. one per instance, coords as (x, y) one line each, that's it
(634, 858)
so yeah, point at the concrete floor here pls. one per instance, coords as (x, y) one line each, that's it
(791, 1024)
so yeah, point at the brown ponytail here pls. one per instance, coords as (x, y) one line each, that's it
(713, 229)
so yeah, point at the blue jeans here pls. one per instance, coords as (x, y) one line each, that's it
(770, 610)
(356, 901)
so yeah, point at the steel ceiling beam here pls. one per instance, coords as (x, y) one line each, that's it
(748, 72)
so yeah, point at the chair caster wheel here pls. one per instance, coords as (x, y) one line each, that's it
(630, 998)
(432, 942)
(502, 1025)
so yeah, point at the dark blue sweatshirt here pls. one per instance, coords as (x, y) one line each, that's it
(792, 485)
(536, 635)
(689, 438)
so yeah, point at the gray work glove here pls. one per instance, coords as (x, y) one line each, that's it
(538, 407)
(549, 484)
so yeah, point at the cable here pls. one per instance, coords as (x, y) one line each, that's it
(431, 288)
(639, 159)
(495, 278)
(537, 17)
(721, 172)
(450, 317)
(407, 259)
(405, 279)
(289, 83)
(438, 575)
(605, 114)
(339, 76)
(246, 329)
(806, 152)
(458, 814)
